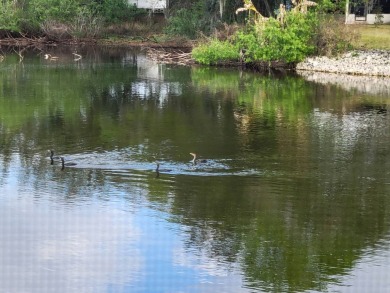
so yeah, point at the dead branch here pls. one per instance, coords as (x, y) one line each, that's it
(170, 57)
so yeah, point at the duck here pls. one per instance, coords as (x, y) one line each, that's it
(66, 164)
(197, 161)
(51, 58)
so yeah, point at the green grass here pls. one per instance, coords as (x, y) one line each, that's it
(372, 37)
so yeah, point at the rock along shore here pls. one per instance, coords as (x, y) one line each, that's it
(357, 62)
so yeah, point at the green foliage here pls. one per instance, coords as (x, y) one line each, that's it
(215, 52)
(114, 11)
(293, 42)
(273, 41)
(60, 10)
(331, 6)
(248, 41)
(289, 40)
(186, 22)
(9, 13)
(34, 15)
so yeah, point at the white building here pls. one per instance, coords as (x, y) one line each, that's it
(154, 5)
(367, 11)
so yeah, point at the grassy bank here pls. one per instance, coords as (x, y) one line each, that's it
(372, 37)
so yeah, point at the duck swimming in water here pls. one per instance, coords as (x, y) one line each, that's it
(66, 164)
(197, 161)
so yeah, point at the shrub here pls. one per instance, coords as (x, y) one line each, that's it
(215, 52)
(333, 36)
(59, 10)
(47, 15)
(330, 6)
(289, 42)
(186, 22)
(248, 41)
(9, 15)
(289, 39)
(115, 11)
(71, 15)
(67, 10)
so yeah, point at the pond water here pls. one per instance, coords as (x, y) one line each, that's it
(294, 196)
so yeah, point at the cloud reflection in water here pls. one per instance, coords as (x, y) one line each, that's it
(63, 250)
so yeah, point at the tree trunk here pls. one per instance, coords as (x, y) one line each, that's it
(222, 4)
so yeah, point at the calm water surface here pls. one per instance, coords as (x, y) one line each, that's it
(294, 196)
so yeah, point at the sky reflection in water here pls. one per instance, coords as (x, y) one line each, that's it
(109, 247)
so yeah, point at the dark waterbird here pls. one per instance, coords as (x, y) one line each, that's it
(197, 161)
(158, 170)
(52, 157)
(66, 164)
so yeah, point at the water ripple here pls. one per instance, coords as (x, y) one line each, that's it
(116, 162)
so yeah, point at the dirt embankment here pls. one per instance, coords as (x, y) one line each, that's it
(148, 42)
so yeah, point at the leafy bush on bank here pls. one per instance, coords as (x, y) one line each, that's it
(9, 15)
(215, 52)
(297, 36)
(288, 41)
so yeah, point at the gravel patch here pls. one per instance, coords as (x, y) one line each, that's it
(373, 62)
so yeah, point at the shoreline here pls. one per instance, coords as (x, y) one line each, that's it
(374, 63)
